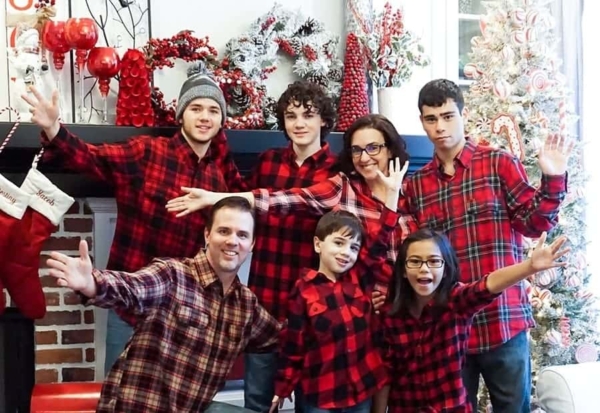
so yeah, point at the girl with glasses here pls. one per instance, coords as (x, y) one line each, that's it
(429, 319)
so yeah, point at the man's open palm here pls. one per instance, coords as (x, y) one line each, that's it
(74, 273)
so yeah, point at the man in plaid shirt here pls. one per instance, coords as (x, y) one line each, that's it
(194, 317)
(283, 247)
(481, 199)
(145, 173)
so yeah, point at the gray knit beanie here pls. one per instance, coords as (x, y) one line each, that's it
(200, 84)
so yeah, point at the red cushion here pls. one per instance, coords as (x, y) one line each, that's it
(65, 397)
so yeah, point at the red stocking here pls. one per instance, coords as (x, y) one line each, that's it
(13, 202)
(47, 206)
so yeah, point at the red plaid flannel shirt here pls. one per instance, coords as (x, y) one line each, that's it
(145, 173)
(329, 344)
(345, 193)
(424, 356)
(284, 242)
(484, 209)
(189, 334)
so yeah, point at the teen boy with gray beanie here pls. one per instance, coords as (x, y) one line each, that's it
(146, 172)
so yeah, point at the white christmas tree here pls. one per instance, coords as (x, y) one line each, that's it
(518, 99)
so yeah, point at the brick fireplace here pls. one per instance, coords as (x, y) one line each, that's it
(64, 339)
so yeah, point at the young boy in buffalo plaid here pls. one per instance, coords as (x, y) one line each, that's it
(328, 347)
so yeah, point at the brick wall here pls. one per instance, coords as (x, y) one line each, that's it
(65, 336)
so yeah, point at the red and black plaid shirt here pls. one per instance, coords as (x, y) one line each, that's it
(329, 343)
(145, 173)
(284, 242)
(341, 192)
(483, 209)
(425, 356)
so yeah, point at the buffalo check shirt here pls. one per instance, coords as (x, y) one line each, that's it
(329, 345)
(424, 356)
(485, 208)
(189, 334)
(145, 172)
(284, 243)
(345, 193)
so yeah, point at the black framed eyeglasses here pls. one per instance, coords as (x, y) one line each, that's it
(431, 263)
(371, 149)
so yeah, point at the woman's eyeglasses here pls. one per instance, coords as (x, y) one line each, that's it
(371, 149)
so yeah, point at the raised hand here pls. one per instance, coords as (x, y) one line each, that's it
(393, 181)
(545, 257)
(194, 200)
(44, 112)
(74, 273)
(554, 155)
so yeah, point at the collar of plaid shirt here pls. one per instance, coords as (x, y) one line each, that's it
(317, 158)
(208, 277)
(463, 158)
(184, 151)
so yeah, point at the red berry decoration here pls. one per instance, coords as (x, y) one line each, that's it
(354, 102)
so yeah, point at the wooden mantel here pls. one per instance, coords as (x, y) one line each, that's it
(245, 146)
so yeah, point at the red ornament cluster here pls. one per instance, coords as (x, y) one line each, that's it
(134, 106)
(354, 102)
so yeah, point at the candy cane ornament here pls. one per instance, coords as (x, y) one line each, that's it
(14, 127)
(506, 126)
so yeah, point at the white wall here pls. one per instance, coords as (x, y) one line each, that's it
(224, 19)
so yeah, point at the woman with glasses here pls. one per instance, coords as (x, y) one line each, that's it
(428, 325)
(369, 145)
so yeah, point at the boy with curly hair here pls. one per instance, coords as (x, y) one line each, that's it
(306, 115)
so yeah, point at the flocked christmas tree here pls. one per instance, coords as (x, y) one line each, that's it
(518, 99)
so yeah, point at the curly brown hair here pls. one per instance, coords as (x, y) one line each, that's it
(313, 97)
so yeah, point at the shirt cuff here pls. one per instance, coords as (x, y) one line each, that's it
(555, 184)
(60, 137)
(100, 280)
(283, 389)
(261, 200)
(481, 291)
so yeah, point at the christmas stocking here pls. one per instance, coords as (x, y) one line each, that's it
(47, 206)
(13, 203)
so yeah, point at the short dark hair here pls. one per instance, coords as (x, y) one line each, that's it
(393, 141)
(436, 92)
(340, 220)
(401, 293)
(233, 202)
(313, 97)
